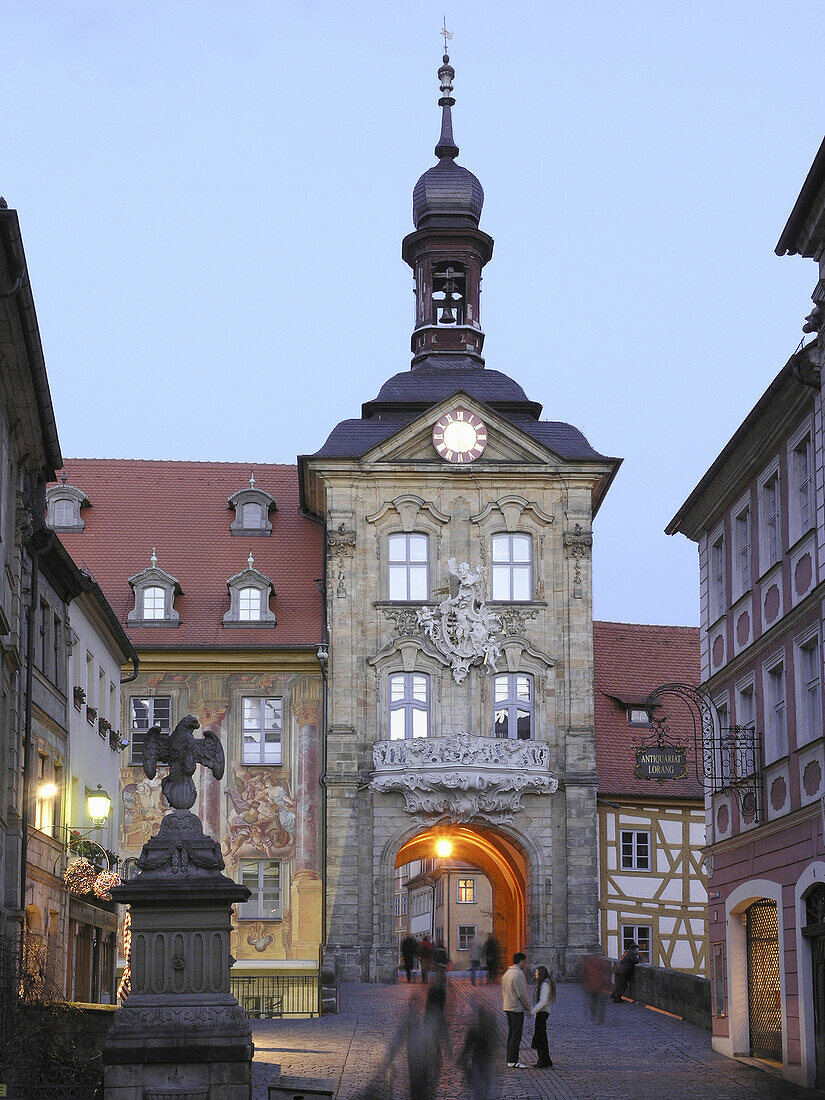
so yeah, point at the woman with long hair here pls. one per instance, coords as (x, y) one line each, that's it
(545, 995)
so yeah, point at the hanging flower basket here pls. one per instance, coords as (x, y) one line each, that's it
(80, 875)
(91, 715)
(79, 696)
(104, 883)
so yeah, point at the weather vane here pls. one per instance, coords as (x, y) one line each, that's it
(447, 34)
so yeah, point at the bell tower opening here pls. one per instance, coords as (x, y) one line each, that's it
(448, 854)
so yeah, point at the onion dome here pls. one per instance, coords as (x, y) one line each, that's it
(447, 192)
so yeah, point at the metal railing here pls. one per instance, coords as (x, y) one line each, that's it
(272, 996)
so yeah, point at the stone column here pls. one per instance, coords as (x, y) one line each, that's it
(180, 1031)
(306, 899)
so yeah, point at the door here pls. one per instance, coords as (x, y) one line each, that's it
(764, 994)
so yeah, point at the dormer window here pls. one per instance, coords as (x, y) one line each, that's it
(252, 507)
(155, 592)
(63, 504)
(249, 594)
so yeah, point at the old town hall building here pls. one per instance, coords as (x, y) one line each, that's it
(459, 617)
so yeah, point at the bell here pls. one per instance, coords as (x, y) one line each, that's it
(447, 316)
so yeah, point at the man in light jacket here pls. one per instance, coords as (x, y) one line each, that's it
(516, 1003)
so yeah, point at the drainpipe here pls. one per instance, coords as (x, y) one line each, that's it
(27, 734)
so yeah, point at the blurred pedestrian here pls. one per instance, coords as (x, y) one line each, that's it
(516, 1002)
(441, 960)
(425, 1034)
(476, 1058)
(476, 951)
(409, 952)
(624, 971)
(595, 981)
(425, 955)
(545, 996)
(492, 958)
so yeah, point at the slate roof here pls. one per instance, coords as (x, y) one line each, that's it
(181, 509)
(447, 188)
(630, 661)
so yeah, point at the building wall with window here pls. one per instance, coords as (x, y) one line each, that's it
(217, 588)
(762, 601)
(652, 885)
(463, 909)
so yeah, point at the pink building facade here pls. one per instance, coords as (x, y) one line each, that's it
(758, 517)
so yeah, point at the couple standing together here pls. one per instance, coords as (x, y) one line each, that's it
(517, 1001)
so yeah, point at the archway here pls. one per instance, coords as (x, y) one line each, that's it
(501, 859)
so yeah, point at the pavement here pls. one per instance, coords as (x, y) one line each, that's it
(636, 1054)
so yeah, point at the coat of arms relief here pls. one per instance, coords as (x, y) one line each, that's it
(462, 628)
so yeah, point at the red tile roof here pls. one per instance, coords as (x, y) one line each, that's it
(181, 509)
(630, 661)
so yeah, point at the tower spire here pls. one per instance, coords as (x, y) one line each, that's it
(446, 143)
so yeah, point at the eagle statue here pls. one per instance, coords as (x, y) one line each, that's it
(182, 752)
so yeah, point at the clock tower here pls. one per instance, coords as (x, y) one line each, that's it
(459, 698)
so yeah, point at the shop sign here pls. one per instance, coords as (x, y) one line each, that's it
(661, 762)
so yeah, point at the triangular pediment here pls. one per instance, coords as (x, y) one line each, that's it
(506, 443)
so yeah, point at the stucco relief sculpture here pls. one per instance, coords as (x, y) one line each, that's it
(463, 777)
(462, 628)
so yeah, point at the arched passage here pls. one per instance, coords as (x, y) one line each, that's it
(502, 860)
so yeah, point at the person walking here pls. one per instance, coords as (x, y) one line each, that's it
(441, 960)
(545, 995)
(476, 950)
(476, 1058)
(425, 954)
(409, 951)
(595, 980)
(492, 957)
(424, 1035)
(624, 971)
(516, 1002)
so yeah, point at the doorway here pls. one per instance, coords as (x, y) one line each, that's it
(764, 992)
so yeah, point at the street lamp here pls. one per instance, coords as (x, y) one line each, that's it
(443, 848)
(98, 804)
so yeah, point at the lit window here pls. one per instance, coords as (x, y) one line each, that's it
(249, 604)
(408, 567)
(154, 603)
(640, 934)
(263, 722)
(467, 889)
(145, 712)
(635, 850)
(809, 707)
(409, 705)
(512, 567)
(263, 877)
(776, 730)
(513, 706)
(638, 716)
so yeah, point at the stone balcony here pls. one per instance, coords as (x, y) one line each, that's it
(464, 777)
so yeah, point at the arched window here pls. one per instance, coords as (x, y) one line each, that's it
(512, 557)
(252, 515)
(408, 567)
(154, 603)
(409, 705)
(513, 706)
(63, 513)
(249, 604)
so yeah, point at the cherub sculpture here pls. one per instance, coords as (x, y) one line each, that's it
(182, 752)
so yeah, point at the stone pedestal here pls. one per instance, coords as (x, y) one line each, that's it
(180, 1034)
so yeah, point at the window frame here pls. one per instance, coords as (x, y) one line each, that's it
(137, 742)
(717, 575)
(257, 897)
(263, 700)
(409, 704)
(635, 855)
(408, 566)
(464, 943)
(154, 577)
(512, 566)
(634, 937)
(801, 490)
(513, 704)
(770, 517)
(808, 685)
(465, 885)
(775, 708)
(741, 538)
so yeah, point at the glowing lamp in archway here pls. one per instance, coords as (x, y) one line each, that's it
(443, 848)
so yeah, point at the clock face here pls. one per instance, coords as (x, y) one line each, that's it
(460, 436)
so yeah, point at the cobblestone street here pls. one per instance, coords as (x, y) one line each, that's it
(637, 1054)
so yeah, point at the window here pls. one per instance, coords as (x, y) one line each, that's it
(746, 705)
(725, 748)
(154, 710)
(716, 580)
(638, 716)
(62, 513)
(776, 730)
(640, 935)
(512, 557)
(466, 890)
(252, 515)
(409, 705)
(807, 676)
(263, 722)
(408, 567)
(263, 877)
(59, 652)
(398, 905)
(742, 552)
(770, 543)
(252, 507)
(249, 604)
(43, 802)
(801, 494)
(43, 644)
(63, 504)
(513, 706)
(154, 603)
(404, 904)
(466, 935)
(90, 680)
(720, 1001)
(635, 850)
(439, 892)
